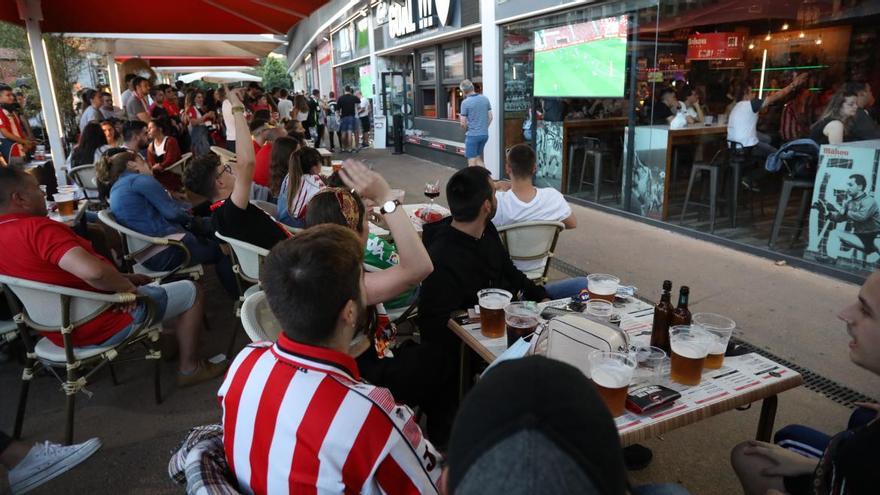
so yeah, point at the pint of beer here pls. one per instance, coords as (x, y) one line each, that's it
(492, 303)
(602, 286)
(690, 344)
(721, 328)
(336, 165)
(66, 204)
(611, 373)
(521, 319)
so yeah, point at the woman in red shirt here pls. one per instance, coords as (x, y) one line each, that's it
(162, 152)
(201, 122)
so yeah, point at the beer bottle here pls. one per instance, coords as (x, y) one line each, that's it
(662, 315)
(682, 315)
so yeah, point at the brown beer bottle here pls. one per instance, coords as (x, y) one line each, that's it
(662, 316)
(682, 315)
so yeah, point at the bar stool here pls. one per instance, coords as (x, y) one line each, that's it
(788, 185)
(714, 170)
(591, 148)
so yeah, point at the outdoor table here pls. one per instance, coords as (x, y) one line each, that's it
(410, 210)
(740, 381)
(71, 220)
(325, 156)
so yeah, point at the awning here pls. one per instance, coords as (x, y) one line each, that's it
(220, 77)
(161, 62)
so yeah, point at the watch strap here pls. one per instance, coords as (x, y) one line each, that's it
(383, 211)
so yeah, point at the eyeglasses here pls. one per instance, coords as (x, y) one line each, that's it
(227, 169)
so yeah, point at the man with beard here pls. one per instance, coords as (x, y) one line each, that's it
(134, 133)
(296, 415)
(14, 142)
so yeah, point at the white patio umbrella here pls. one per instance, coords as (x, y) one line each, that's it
(219, 77)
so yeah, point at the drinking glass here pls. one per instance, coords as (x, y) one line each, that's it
(611, 373)
(492, 303)
(521, 319)
(690, 345)
(602, 286)
(721, 328)
(432, 190)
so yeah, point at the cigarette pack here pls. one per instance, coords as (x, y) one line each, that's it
(650, 398)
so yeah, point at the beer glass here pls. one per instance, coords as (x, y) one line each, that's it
(600, 309)
(65, 203)
(336, 165)
(521, 319)
(690, 344)
(650, 362)
(720, 328)
(611, 373)
(602, 286)
(492, 303)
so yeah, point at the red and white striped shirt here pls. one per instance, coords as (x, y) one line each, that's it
(297, 419)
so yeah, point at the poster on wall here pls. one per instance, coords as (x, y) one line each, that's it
(844, 218)
(548, 148)
(365, 80)
(325, 68)
(715, 46)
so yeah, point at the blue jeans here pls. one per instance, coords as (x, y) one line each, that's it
(473, 146)
(569, 287)
(202, 252)
(170, 300)
(812, 443)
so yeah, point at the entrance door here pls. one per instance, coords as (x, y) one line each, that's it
(393, 99)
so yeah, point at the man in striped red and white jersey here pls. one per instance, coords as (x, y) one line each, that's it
(296, 417)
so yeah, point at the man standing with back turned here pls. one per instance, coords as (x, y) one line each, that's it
(475, 116)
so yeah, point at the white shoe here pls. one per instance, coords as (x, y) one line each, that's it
(48, 460)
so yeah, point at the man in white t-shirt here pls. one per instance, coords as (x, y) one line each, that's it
(525, 203)
(742, 126)
(285, 106)
(229, 123)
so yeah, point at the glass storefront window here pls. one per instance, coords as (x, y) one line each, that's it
(429, 102)
(662, 87)
(427, 66)
(453, 102)
(362, 37)
(453, 63)
(342, 45)
(478, 60)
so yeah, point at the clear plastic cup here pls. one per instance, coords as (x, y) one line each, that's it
(650, 363)
(602, 286)
(65, 203)
(599, 309)
(521, 319)
(690, 345)
(721, 328)
(611, 373)
(492, 303)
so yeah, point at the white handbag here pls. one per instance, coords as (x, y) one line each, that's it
(570, 338)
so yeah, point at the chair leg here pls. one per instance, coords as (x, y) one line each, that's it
(713, 195)
(597, 175)
(27, 376)
(687, 196)
(780, 214)
(68, 430)
(802, 211)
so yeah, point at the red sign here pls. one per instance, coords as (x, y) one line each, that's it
(715, 46)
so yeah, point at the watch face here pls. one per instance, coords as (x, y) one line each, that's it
(389, 206)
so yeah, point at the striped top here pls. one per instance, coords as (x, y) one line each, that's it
(298, 419)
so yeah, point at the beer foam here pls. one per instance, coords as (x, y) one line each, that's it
(603, 287)
(690, 350)
(612, 374)
(494, 301)
(718, 347)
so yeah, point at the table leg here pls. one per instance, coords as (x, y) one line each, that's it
(768, 416)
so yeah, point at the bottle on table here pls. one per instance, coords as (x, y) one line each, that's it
(682, 315)
(662, 315)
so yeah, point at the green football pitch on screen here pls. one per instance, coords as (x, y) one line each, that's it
(590, 69)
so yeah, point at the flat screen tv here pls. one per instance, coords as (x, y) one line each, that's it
(585, 60)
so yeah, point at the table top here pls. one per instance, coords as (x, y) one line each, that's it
(324, 152)
(410, 210)
(71, 220)
(740, 381)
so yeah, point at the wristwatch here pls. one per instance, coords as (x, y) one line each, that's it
(389, 206)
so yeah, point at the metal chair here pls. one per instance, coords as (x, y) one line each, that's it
(788, 185)
(224, 154)
(714, 170)
(179, 167)
(53, 308)
(134, 243)
(529, 241)
(246, 261)
(86, 178)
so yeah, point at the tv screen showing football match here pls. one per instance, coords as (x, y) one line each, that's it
(586, 60)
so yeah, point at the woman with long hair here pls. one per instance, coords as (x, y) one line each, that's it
(162, 152)
(92, 143)
(303, 181)
(301, 109)
(200, 120)
(836, 122)
(279, 162)
(112, 134)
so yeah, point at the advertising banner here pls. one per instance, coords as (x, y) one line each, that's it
(715, 46)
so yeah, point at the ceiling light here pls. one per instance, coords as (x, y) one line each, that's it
(818, 41)
(751, 46)
(768, 37)
(785, 27)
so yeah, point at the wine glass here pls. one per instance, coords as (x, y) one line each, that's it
(432, 190)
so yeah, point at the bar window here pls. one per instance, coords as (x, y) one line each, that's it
(453, 63)
(429, 102)
(478, 61)
(427, 66)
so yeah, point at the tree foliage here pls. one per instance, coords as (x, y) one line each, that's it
(274, 74)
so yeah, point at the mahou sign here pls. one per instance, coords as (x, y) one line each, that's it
(413, 16)
(715, 46)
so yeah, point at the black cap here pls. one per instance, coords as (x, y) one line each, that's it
(535, 425)
(667, 285)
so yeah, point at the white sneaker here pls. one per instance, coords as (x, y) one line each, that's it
(48, 460)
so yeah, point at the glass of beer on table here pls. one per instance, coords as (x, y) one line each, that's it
(65, 202)
(336, 165)
(720, 328)
(690, 345)
(602, 286)
(611, 373)
(521, 319)
(492, 303)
